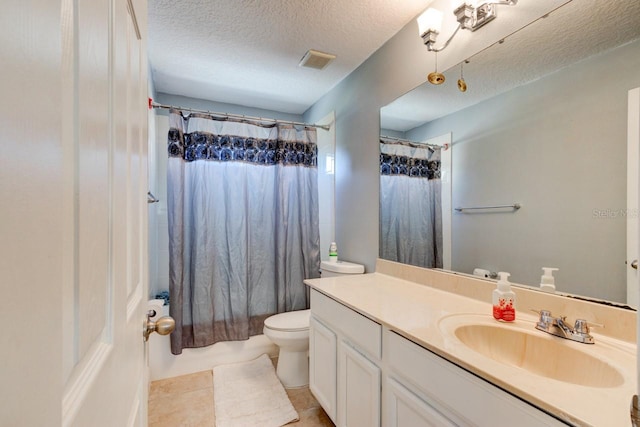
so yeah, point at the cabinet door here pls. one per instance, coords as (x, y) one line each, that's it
(322, 366)
(358, 389)
(405, 409)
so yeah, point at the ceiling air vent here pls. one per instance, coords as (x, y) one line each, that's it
(316, 59)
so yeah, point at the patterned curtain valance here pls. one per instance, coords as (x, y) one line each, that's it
(392, 164)
(203, 137)
(412, 160)
(207, 146)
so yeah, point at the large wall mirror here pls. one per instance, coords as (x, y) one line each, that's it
(543, 124)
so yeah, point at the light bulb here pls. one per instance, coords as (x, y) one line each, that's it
(431, 19)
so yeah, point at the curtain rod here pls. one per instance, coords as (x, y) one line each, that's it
(236, 116)
(413, 143)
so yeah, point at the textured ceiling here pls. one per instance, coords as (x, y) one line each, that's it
(246, 52)
(578, 30)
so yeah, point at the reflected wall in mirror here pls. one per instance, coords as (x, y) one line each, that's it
(544, 124)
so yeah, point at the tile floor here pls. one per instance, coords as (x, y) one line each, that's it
(187, 401)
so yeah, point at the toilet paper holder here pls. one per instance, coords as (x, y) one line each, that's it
(163, 326)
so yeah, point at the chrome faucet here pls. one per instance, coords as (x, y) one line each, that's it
(558, 326)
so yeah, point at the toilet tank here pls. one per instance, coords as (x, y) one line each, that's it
(340, 268)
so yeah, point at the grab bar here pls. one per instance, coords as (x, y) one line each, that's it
(514, 206)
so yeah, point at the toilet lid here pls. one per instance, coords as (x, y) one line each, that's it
(289, 321)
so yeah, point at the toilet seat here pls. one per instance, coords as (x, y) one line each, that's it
(289, 321)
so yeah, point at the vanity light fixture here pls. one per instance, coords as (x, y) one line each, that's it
(469, 17)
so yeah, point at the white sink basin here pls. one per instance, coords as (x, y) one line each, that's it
(522, 346)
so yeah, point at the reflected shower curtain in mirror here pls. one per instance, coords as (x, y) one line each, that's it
(242, 202)
(410, 204)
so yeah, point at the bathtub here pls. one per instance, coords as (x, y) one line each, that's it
(163, 364)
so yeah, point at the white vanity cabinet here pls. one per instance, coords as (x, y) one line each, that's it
(365, 375)
(344, 354)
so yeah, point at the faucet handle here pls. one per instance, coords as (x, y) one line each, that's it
(545, 319)
(583, 327)
(541, 312)
(546, 316)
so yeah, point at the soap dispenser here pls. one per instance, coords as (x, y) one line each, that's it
(547, 281)
(504, 299)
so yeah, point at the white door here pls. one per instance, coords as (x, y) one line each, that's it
(74, 253)
(633, 161)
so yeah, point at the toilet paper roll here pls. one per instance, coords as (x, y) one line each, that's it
(156, 305)
(481, 272)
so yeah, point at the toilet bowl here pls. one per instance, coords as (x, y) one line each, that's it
(290, 332)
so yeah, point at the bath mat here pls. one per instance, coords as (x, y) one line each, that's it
(249, 394)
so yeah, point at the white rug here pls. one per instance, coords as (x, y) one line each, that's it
(249, 394)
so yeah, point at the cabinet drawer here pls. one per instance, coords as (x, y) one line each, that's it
(465, 398)
(359, 330)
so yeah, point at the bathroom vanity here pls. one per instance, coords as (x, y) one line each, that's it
(390, 352)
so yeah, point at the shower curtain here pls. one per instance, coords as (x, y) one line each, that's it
(242, 203)
(410, 204)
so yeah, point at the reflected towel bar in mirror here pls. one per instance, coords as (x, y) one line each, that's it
(514, 206)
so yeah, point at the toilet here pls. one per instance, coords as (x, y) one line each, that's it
(290, 332)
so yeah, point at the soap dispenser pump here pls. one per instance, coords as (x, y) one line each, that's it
(547, 281)
(504, 299)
